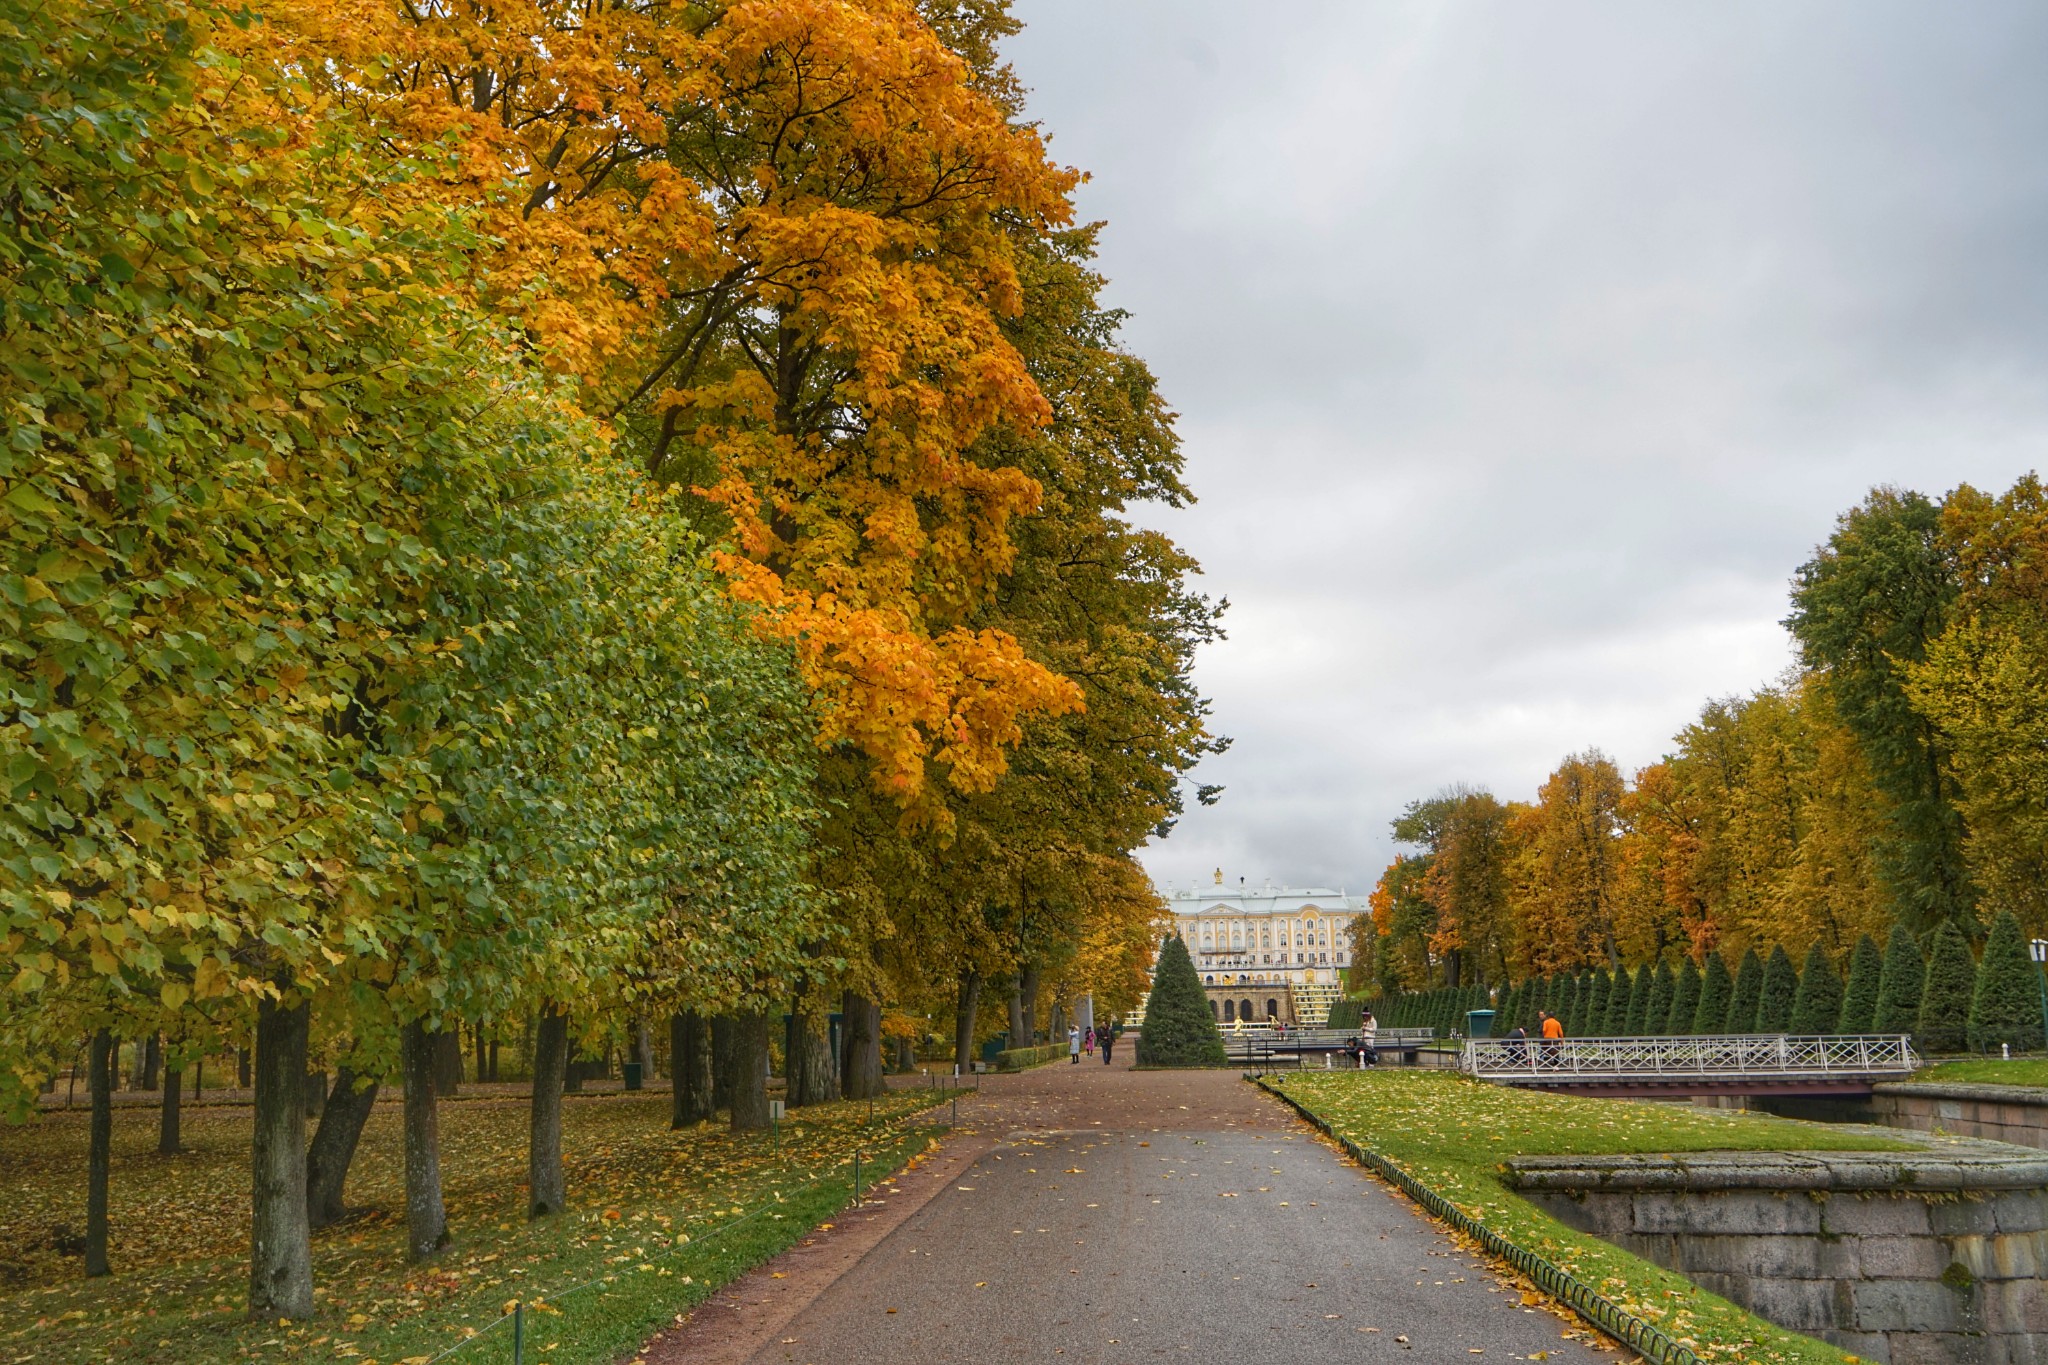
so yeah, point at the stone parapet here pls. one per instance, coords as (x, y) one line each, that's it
(1930, 1257)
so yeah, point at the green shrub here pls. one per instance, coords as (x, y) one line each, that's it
(1945, 999)
(1685, 998)
(1595, 1021)
(1898, 989)
(1662, 987)
(2006, 1006)
(1716, 988)
(1018, 1058)
(1179, 1030)
(1749, 989)
(1818, 1003)
(1859, 998)
(1639, 1002)
(1780, 991)
(1345, 1014)
(1618, 1002)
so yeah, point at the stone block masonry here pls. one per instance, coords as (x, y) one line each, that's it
(1936, 1257)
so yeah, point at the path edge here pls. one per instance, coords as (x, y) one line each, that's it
(1597, 1309)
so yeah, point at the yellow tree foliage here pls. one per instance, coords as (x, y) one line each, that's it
(1567, 865)
(1985, 683)
(769, 239)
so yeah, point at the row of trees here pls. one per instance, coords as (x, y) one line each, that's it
(1890, 781)
(1946, 999)
(550, 518)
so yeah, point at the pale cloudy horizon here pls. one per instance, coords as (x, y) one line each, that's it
(1522, 353)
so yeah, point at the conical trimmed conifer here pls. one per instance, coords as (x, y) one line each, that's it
(1596, 1012)
(1639, 1002)
(2006, 1007)
(1618, 1002)
(1716, 987)
(1818, 1004)
(1685, 998)
(1749, 988)
(1780, 989)
(1945, 999)
(1898, 988)
(1859, 997)
(1564, 993)
(1178, 1028)
(1658, 1015)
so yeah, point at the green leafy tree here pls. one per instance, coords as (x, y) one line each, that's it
(1817, 1004)
(1717, 989)
(1899, 987)
(1179, 1030)
(1749, 989)
(1685, 998)
(1945, 999)
(1865, 609)
(1859, 996)
(1780, 992)
(2006, 1005)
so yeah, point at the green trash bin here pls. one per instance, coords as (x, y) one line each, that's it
(1479, 1023)
(633, 1075)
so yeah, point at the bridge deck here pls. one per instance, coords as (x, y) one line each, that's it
(1744, 1064)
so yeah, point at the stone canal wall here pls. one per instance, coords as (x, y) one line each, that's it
(1914, 1258)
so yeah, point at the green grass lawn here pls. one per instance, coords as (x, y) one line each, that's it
(1453, 1134)
(646, 1203)
(1988, 1071)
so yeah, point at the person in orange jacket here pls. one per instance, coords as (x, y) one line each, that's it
(1553, 1034)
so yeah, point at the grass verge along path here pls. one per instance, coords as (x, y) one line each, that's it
(647, 1209)
(1988, 1071)
(1452, 1135)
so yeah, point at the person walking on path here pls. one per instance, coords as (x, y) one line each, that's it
(1108, 1041)
(1368, 1040)
(1553, 1034)
(1074, 1047)
(1088, 1041)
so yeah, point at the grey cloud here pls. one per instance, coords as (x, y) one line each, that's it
(1524, 351)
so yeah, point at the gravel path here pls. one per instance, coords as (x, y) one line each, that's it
(1094, 1213)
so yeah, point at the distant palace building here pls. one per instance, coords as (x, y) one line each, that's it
(1270, 953)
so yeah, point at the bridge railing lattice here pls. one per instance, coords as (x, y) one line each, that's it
(1690, 1058)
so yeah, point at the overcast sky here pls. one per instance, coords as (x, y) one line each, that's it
(1523, 351)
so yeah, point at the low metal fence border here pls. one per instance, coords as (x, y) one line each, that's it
(1596, 1308)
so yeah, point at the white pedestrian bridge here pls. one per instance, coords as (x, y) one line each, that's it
(1727, 1064)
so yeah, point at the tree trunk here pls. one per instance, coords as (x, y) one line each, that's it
(643, 1050)
(690, 1067)
(167, 1114)
(494, 1061)
(280, 1241)
(242, 1067)
(483, 1071)
(813, 1070)
(148, 1057)
(860, 1074)
(100, 1083)
(334, 1146)
(1027, 987)
(721, 1062)
(749, 1072)
(963, 1021)
(906, 1056)
(547, 1191)
(426, 1218)
(447, 1061)
(1018, 1037)
(316, 1093)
